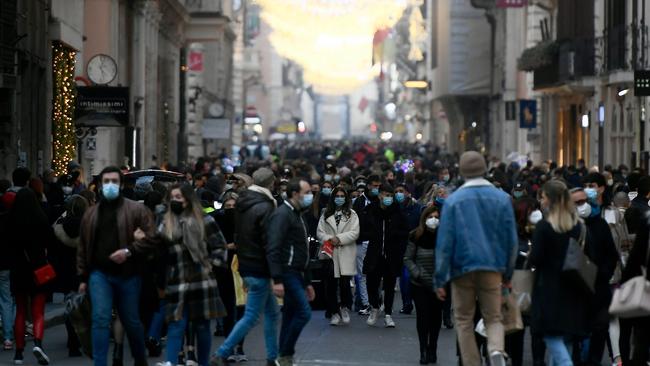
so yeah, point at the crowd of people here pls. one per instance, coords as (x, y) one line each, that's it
(232, 239)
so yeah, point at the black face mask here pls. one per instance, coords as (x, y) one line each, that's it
(176, 207)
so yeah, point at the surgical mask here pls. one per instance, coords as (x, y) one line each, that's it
(535, 217)
(632, 195)
(227, 187)
(326, 192)
(584, 210)
(432, 223)
(67, 190)
(592, 194)
(307, 200)
(110, 191)
(400, 197)
(328, 177)
(337, 178)
(445, 178)
(176, 207)
(387, 201)
(283, 195)
(339, 201)
(518, 194)
(374, 192)
(610, 182)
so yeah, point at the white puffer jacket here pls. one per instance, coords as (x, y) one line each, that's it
(344, 256)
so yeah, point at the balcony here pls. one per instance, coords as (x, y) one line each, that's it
(624, 48)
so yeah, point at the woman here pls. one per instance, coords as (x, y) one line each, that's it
(340, 225)
(29, 235)
(66, 230)
(191, 292)
(558, 309)
(419, 260)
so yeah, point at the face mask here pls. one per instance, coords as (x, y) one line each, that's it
(584, 210)
(67, 190)
(307, 200)
(445, 178)
(432, 223)
(339, 201)
(632, 195)
(328, 177)
(535, 217)
(387, 201)
(592, 194)
(176, 207)
(374, 192)
(326, 192)
(227, 187)
(400, 197)
(337, 178)
(283, 195)
(610, 182)
(110, 191)
(518, 194)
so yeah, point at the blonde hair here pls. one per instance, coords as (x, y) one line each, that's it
(561, 213)
(172, 229)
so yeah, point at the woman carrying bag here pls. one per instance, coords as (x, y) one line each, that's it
(191, 291)
(558, 310)
(419, 260)
(339, 225)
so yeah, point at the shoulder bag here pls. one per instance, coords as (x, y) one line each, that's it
(632, 299)
(578, 268)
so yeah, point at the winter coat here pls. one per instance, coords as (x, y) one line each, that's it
(64, 255)
(419, 259)
(639, 253)
(344, 257)
(387, 233)
(288, 248)
(131, 215)
(477, 233)
(636, 215)
(253, 210)
(558, 309)
(602, 251)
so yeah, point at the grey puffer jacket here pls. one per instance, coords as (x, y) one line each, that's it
(419, 259)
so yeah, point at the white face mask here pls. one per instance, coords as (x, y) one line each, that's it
(432, 223)
(535, 217)
(632, 195)
(610, 182)
(584, 210)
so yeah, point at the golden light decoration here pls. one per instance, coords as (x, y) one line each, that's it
(63, 105)
(330, 39)
(417, 31)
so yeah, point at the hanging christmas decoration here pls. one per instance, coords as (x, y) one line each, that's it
(417, 31)
(330, 39)
(63, 105)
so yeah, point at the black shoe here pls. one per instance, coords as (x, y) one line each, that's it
(118, 362)
(432, 356)
(153, 347)
(19, 359)
(406, 310)
(448, 324)
(272, 363)
(74, 352)
(40, 355)
(424, 359)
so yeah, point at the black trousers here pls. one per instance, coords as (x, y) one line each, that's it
(373, 279)
(599, 335)
(335, 287)
(640, 354)
(428, 311)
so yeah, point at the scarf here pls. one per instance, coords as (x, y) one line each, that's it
(264, 191)
(191, 237)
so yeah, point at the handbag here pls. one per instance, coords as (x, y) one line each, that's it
(44, 274)
(522, 288)
(326, 250)
(512, 320)
(78, 311)
(578, 268)
(632, 299)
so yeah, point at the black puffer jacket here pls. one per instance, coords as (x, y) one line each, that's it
(288, 245)
(387, 234)
(420, 259)
(253, 211)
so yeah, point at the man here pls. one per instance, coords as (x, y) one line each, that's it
(476, 250)
(635, 215)
(411, 211)
(288, 257)
(386, 230)
(602, 251)
(253, 210)
(519, 191)
(20, 177)
(116, 235)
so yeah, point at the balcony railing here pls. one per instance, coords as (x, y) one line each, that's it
(574, 59)
(623, 48)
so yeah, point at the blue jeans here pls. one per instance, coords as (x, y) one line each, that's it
(296, 312)
(405, 288)
(360, 278)
(157, 322)
(176, 332)
(104, 290)
(260, 299)
(7, 308)
(558, 351)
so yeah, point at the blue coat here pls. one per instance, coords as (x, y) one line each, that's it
(477, 233)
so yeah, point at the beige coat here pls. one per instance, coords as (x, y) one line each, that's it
(345, 255)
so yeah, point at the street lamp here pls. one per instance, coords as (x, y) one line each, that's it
(622, 92)
(416, 84)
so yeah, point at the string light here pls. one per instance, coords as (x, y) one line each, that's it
(63, 106)
(330, 39)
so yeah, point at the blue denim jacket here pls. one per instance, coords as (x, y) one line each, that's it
(477, 233)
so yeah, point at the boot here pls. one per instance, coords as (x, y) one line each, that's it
(432, 355)
(118, 354)
(424, 358)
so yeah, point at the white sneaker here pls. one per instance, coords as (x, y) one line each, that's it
(345, 315)
(388, 321)
(372, 318)
(497, 358)
(336, 320)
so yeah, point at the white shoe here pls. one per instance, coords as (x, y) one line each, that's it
(336, 320)
(345, 315)
(164, 364)
(372, 318)
(388, 321)
(497, 358)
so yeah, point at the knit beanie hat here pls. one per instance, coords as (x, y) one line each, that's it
(472, 165)
(264, 177)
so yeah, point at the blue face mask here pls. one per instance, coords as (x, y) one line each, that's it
(339, 201)
(326, 192)
(110, 191)
(307, 200)
(374, 192)
(400, 197)
(592, 194)
(387, 201)
(518, 194)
